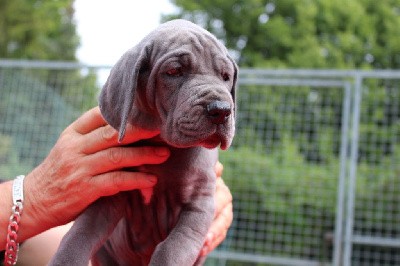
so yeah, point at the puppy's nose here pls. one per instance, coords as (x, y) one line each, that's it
(218, 111)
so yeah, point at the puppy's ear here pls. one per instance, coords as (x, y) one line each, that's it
(235, 76)
(117, 96)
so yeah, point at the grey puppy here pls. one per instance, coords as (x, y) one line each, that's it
(181, 81)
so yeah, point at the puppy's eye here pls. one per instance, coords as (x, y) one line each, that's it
(174, 72)
(226, 77)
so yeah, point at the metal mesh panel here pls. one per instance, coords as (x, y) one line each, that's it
(36, 104)
(283, 171)
(377, 210)
(314, 169)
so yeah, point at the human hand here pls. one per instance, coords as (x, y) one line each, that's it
(223, 214)
(85, 164)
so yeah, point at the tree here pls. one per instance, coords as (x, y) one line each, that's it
(40, 30)
(305, 34)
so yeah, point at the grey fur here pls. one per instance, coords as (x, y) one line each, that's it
(179, 80)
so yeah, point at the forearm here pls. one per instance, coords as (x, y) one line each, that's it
(5, 207)
(28, 226)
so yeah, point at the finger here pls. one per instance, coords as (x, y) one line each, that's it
(219, 168)
(99, 139)
(218, 230)
(113, 182)
(89, 121)
(222, 197)
(223, 217)
(133, 134)
(122, 157)
(105, 137)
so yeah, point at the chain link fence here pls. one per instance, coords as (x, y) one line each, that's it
(314, 169)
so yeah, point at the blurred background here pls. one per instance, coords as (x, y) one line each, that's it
(315, 165)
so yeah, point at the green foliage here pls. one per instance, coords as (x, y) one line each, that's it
(38, 29)
(36, 104)
(77, 87)
(34, 109)
(32, 114)
(276, 176)
(280, 187)
(285, 164)
(10, 165)
(304, 33)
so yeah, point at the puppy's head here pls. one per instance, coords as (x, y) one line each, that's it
(179, 80)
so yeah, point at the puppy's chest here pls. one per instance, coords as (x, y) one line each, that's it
(187, 174)
(179, 185)
(159, 209)
(186, 183)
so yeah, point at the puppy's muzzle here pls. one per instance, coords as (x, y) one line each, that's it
(218, 111)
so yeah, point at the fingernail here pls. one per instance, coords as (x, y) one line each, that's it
(209, 238)
(204, 251)
(161, 151)
(108, 132)
(151, 179)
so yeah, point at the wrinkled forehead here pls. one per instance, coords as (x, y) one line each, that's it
(187, 40)
(197, 38)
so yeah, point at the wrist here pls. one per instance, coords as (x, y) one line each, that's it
(33, 222)
(12, 245)
(6, 205)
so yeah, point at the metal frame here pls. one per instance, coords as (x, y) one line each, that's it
(351, 81)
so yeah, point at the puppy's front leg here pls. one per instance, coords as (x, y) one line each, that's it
(89, 231)
(183, 244)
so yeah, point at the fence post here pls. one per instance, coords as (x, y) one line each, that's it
(340, 205)
(348, 245)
